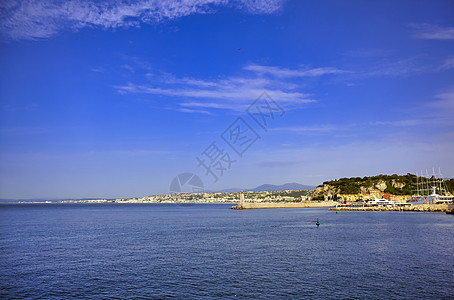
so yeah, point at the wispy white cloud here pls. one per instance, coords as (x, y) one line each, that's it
(447, 64)
(365, 157)
(445, 102)
(230, 96)
(196, 105)
(36, 19)
(309, 130)
(132, 152)
(375, 63)
(231, 93)
(402, 123)
(260, 6)
(432, 32)
(284, 72)
(436, 113)
(128, 68)
(396, 68)
(188, 110)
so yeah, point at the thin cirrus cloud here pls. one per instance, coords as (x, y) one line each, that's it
(433, 113)
(285, 73)
(402, 123)
(447, 64)
(36, 19)
(445, 102)
(395, 68)
(309, 130)
(432, 32)
(230, 96)
(234, 93)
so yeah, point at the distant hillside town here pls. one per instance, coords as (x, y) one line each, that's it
(396, 188)
(287, 196)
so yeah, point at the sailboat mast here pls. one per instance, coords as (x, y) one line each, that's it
(417, 184)
(427, 183)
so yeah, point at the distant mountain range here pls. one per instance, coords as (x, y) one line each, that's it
(272, 188)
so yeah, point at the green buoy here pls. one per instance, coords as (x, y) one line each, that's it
(318, 223)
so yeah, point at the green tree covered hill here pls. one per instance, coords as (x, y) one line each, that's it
(391, 184)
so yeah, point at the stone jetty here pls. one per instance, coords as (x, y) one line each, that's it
(411, 208)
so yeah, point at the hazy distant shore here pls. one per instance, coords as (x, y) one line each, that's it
(296, 196)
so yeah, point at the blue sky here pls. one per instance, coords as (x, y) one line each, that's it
(116, 98)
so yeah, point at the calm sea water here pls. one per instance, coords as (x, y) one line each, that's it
(95, 251)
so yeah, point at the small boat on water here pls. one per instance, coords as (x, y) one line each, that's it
(439, 199)
(381, 202)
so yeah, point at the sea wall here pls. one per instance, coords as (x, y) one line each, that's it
(304, 204)
(414, 208)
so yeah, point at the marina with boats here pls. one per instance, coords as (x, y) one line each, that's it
(432, 190)
(430, 194)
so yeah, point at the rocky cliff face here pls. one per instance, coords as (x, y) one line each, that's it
(393, 184)
(397, 184)
(325, 192)
(328, 191)
(380, 185)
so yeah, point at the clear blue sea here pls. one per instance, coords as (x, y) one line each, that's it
(155, 251)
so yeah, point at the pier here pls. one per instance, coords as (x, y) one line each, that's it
(410, 208)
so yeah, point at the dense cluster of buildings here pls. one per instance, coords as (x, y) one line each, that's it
(373, 195)
(253, 197)
(256, 197)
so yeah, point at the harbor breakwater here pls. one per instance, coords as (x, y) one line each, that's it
(303, 204)
(410, 208)
(332, 206)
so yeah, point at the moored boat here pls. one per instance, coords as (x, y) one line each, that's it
(431, 190)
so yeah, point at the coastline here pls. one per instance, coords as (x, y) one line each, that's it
(331, 205)
(410, 208)
(304, 204)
